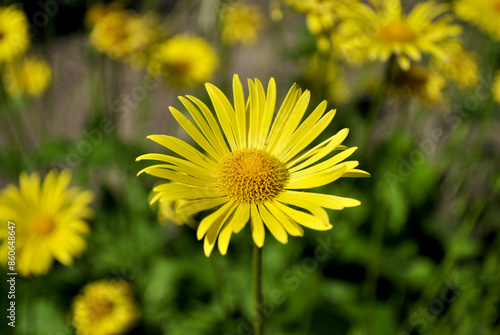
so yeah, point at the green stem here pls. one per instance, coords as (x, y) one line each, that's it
(258, 320)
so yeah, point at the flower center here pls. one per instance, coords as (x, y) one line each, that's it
(43, 225)
(396, 32)
(100, 308)
(251, 176)
(180, 67)
(496, 7)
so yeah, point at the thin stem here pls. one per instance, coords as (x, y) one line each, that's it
(258, 319)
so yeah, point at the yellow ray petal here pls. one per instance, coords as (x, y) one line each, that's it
(207, 113)
(313, 132)
(290, 226)
(239, 106)
(325, 165)
(190, 207)
(302, 218)
(213, 219)
(273, 225)
(258, 233)
(241, 217)
(323, 200)
(335, 140)
(225, 114)
(196, 135)
(313, 180)
(183, 149)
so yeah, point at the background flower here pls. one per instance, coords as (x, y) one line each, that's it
(49, 219)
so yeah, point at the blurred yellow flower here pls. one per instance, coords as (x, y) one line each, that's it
(105, 307)
(321, 17)
(99, 10)
(374, 34)
(261, 176)
(185, 60)
(485, 14)
(167, 212)
(461, 67)
(495, 89)
(425, 85)
(14, 30)
(240, 23)
(126, 36)
(49, 221)
(29, 76)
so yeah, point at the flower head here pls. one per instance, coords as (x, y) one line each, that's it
(254, 169)
(14, 29)
(186, 60)
(105, 307)
(240, 23)
(484, 14)
(49, 221)
(125, 35)
(28, 76)
(167, 212)
(370, 34)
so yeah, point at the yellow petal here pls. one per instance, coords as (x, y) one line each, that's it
(302, 218)
(273, 225)
(258, 233)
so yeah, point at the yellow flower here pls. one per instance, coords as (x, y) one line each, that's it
(425, 85)
(49, 221)
(125, 35)
(321, 17)
(261, 175)
(370, 34)
(29, 76)
(240, 23)
(185, 60)
(99, 10)
(461, 67)
(105, 307)
(14, 29)
(167, 212)
(485, 14)
(495, 89)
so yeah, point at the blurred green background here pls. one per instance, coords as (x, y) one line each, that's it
(421, 255)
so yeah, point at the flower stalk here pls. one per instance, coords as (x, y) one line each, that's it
(257, 318)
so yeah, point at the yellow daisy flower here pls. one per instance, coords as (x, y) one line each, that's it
(261, 175)
(370, 34)
(49, 221)
(30, 76)
(485, 14)
(240, 23)
(105, 307)
(185, 60)
(14, 30)
(125, 35)
(425, 85)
